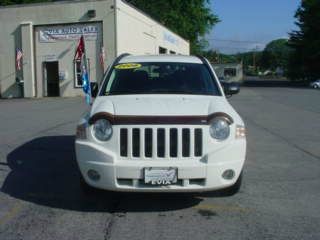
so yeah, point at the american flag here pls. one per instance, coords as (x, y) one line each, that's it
(80, 51)
(19, 55)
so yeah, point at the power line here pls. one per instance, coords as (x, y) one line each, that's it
(235, 41)
(242, 48)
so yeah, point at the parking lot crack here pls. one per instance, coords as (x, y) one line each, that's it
(111, 220)
(284, 139)
(54, 127)
(108, 228)
(287, 105)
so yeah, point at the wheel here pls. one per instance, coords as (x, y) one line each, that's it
(234, 188)
(315, 86)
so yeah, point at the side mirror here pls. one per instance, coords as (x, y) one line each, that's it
(231, 88)
(94, 89)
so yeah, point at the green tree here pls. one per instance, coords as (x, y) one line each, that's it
(276, 54)
(305, 59)
(211, 55)
(190, 19)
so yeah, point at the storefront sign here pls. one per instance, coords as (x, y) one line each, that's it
(170, 38)
(68, 33)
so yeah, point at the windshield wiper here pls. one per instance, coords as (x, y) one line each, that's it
(123, 93)
(155, 91)
(174, 92)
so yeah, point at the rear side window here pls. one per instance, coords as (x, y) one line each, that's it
(161, 78)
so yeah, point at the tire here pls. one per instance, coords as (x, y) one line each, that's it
(315, 86)
(235, 188)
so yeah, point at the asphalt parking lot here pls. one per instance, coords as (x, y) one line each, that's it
(280, 199)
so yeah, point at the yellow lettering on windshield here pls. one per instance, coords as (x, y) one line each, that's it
(128, 66)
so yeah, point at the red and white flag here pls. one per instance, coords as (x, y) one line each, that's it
(80, 49)
(19, 55)
(80, 54)
(102, 57)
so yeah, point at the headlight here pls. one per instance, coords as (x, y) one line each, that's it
(102, 130)
(219, 129)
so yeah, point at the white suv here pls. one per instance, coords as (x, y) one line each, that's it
(161, 124)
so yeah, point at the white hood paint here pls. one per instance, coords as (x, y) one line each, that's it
(162, 105)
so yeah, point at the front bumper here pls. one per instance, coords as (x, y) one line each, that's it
(194, 175)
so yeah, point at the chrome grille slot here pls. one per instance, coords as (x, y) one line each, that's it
(173, 142)
(185, 142)
(164, 143)
(148, 142)
(161, 142)
(136, 142)
(198, 142)
(123, 142)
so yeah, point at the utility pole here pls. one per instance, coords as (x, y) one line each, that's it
(254, 61)
(218, 56)
(254, 58)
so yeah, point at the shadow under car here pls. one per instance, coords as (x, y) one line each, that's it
(44, 171)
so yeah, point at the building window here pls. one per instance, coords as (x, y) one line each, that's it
(162, 50)
(78, 74)
(172, 52)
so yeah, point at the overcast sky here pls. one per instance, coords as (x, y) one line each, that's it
(250, 24)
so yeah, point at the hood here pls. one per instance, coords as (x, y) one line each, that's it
(161, 105)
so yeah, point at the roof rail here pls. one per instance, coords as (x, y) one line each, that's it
(202, 59)
(118, 59)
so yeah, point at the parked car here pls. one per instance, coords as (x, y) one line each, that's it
(315, 84)
(161, 124)
(268, 73)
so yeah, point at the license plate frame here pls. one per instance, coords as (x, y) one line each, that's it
(160, 176)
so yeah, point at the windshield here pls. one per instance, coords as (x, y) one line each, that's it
(160, 78)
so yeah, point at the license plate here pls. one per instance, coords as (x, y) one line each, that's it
(160, 176)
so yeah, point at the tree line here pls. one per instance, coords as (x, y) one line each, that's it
(298, 56)
(274, 56)
(304, 60)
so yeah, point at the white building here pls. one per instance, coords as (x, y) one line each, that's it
(48, 34)
(229, 72)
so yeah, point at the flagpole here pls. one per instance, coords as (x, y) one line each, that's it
(102, 57)
(87, 72)
(82, 56)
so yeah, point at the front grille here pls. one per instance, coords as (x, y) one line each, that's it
(161, 142)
